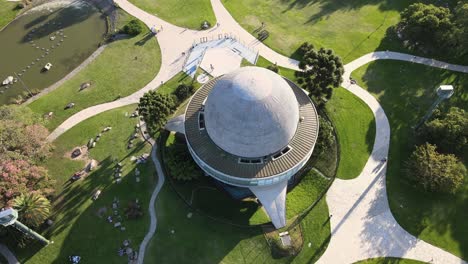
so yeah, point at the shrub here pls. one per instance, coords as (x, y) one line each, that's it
(273, 68)
(183, 91)
(325, 137)
(435, 172)
(448, 131)
(180, 163)
(133, 28)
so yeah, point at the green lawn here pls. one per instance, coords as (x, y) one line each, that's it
(405, 91)
(389, 261)
(355, 127)
(8, 12)
(123, 68)
(351, 28)
(77, 229)
(201, 240)
(184, 13)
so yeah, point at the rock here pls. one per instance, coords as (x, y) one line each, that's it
(189, 215)
(137, 179)
(93, 145)
(77, 152)
(133, 158)
(90, 142)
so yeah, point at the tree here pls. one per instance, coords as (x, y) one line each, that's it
(33, 208)
(180, 163)
(155, 109)
(325, 137)
(433, 171)
(133, 28)
(427, 25)
(183, 91)
(20, 176)
(449, 132)
(22, 136)
(461, 25)
(320, 71)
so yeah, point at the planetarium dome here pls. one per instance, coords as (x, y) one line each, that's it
(251, 112)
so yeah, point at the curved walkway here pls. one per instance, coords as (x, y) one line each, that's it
(362, 225)
(9, 256)
(154, 195)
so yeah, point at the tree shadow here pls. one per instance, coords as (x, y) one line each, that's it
(57, 20)
(145, 39)
(406, 90)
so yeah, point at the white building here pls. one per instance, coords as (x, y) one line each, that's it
(252, 128)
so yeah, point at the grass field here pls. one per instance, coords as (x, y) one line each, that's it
(124, 67)
(184, 13)
(77, 228)
(355, 126)
(406, 91)
(351, 28)
(389, 261)
(8, 12)
(201, 240)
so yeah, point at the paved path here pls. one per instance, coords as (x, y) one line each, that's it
(362, 225)
(10, 257)
(154, 195)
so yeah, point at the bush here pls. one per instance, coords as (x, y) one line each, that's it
(180, 163)
(448, 131)
(133, 28)
(325, 137)
(184, 91)
(435, 172)
(273, 68)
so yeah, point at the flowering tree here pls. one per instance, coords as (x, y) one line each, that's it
(21, 177)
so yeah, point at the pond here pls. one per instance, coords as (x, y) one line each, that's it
(60, 34)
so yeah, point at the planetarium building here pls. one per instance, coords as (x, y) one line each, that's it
(252, 128)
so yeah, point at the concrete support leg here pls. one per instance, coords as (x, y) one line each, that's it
(273, 199)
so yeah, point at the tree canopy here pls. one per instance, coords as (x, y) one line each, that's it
(448, 131)
(183, 91)
(461, 25)
(433, 171)
(321, 70)
(23, 146)
(134, 27)
(155, 109)
(427, 26)
(325, 137)
(33, 208)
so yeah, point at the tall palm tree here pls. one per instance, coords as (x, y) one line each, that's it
(33, 208)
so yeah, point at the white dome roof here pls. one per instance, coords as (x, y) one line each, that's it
(251, 112)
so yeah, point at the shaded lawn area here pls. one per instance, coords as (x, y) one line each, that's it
(204, 195)
(77, 229)
(389, 261)
(8, 12)
(355, 127)
(201, 240)
(351, 28)
(184, 13)
(406, 91)
(114, 74)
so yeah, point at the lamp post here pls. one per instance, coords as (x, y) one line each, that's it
(443, 92)
(9, 217)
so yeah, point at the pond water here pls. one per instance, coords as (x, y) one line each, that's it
(62, 33)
